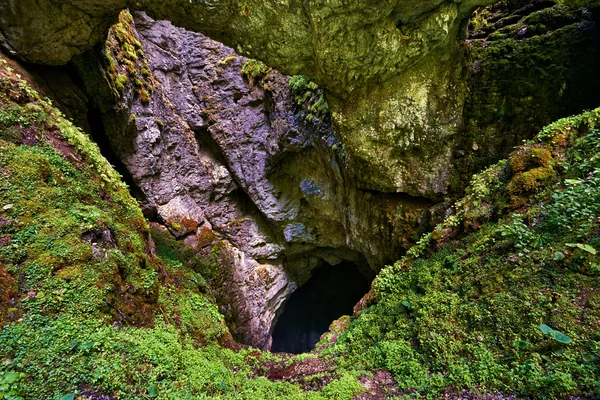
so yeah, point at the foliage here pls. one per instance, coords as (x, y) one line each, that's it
(310, 97)
(254, 69)
(124, 57)
(502, 297)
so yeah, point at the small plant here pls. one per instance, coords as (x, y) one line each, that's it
(120, 82)
(310, 97)
(254, 69)
(556, 335)
(144, 96)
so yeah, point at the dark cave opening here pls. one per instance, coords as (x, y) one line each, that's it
(332, 291)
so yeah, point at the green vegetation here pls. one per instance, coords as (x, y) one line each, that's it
(310, 97)
(229, 59)
(522, 77)
(125, 57)
(253, 69)
(504, 295)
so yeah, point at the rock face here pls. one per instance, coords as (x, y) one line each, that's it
(232, 166)
(393, 71)
(51, 32)
(361, 52)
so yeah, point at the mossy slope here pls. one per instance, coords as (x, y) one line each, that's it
(91, 306)
(464, 309)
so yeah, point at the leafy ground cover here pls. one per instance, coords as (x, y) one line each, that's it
(504, 295)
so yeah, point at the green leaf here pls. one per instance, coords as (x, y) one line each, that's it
(70, 396)
(561, 337)
(152, 391)
(556, 335)
(405, 304)
(573, 181)
(546, 329)
(587, 248)
(597, 384)
(558, 256)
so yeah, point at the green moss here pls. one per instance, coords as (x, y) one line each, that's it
(254, 69)
(120, 82)
(481, 285)
(125, 56)
(531, 180)
(57, 185)
(309, 97)
(345, 388)
(231, 58)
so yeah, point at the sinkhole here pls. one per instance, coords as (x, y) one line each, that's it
(332, 291)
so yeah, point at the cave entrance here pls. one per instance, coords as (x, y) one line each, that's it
(332, 291)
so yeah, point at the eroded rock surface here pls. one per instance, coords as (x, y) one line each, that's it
(393, 71)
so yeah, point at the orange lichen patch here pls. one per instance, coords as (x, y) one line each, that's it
(205, 236)
(367, 300)
(205, 244)
(189, 224)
